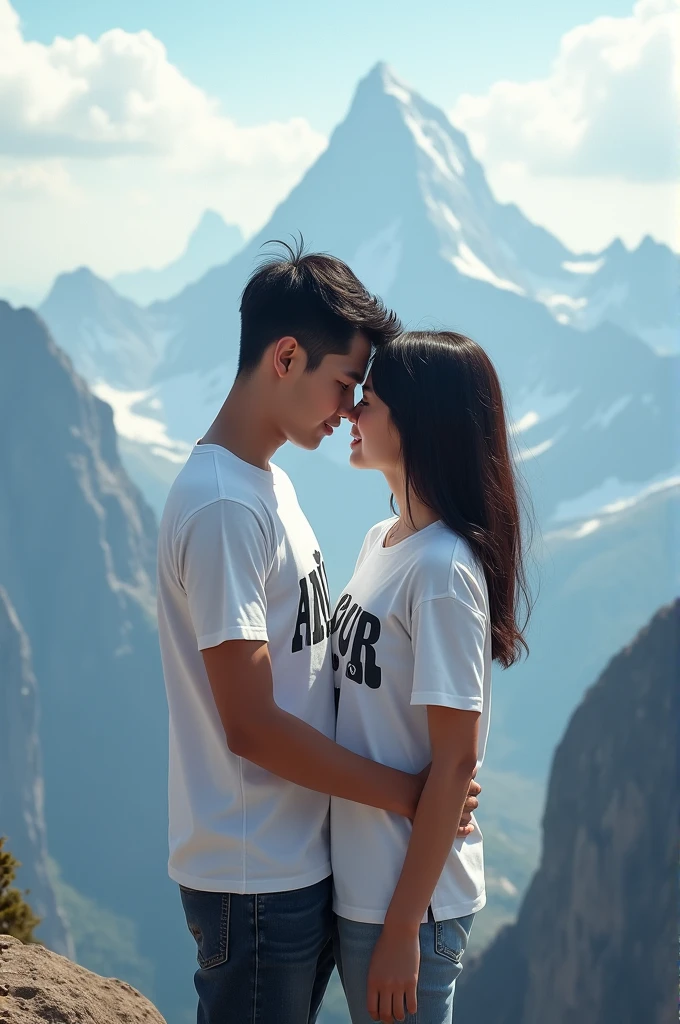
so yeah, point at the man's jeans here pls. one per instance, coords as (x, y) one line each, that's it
(442, 944)
(262, 959)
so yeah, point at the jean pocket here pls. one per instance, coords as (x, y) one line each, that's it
(451, 937)
(207, 915)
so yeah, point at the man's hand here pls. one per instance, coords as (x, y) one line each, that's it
(465, 826)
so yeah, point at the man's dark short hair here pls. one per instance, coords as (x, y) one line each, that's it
(316, 299)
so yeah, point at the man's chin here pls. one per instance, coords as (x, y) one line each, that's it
(308, 444)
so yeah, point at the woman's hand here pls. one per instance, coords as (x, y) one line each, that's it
(393, 974)
(465, 826)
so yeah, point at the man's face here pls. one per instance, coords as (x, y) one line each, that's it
(312, 404)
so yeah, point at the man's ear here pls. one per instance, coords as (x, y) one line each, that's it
(286, 351)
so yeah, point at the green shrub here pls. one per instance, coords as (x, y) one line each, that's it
(16, 917)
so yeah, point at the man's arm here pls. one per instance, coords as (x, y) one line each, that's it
(222, 554)
(256, 728)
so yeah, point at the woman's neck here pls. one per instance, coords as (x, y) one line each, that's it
(414, 514)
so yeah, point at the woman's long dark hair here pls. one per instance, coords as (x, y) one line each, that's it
(445, 400)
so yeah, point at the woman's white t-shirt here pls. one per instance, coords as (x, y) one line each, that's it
(411, 629)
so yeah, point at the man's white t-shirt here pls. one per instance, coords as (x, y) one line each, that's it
(411, 629)
(237, 559)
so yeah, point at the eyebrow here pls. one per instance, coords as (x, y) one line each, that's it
(366, 387)
(355, 375)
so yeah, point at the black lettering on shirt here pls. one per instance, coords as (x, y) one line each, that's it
(351, 620)
(303, 618)
(314, 608)
(366, 635)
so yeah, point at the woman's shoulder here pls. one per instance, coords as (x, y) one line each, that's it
(448, 567)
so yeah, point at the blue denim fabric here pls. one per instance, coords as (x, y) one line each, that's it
(262, 959)
(442, 944)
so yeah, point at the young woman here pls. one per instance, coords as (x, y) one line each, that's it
(433, 600)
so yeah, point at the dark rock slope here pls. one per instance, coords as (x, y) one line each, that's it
(22, 818)
(596, 937)
(77, 557)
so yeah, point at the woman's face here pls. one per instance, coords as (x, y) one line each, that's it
(375, 439)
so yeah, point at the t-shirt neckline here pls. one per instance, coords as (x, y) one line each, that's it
(407, 540)
(262, 474)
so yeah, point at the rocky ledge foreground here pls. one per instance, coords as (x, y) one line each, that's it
(37, 986)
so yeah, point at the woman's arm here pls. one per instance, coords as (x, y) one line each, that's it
(393, 973)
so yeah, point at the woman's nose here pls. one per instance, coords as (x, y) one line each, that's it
(352, 414)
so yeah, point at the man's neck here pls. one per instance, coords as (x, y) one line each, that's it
(241, 427)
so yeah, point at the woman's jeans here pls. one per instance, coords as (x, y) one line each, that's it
(442, 944)
(262, 959)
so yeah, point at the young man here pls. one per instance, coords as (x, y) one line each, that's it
(244, 621)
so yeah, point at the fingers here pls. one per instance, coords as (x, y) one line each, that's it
(372, 1001)
(391, 1006)
(411, 998)
(388, 1006)
(465, 830)
(475, 789)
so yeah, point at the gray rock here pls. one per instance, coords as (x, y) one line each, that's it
(596, 936)
(22, 818)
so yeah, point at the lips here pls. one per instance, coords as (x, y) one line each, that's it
(355, 440)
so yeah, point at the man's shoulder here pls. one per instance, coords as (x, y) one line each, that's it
(204, 485)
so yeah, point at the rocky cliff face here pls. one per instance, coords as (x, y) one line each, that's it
(77, 553)
(595, 939)
(21, 798)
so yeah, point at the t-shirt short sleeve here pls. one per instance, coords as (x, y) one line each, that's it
(448, 638)
(223, 557)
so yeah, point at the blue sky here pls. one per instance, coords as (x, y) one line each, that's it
(120, 123)
(269, 60)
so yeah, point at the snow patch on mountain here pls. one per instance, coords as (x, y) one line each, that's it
(583, 266)
(467, 263)
(376, 261)
(604, 417)
(448, 163)
(135, 426)
(534, 405)
(613, 495)
(526, 454)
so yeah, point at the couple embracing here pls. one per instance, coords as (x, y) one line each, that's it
(322, 759)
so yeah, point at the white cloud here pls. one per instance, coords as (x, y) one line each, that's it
(609, 107)
(117, 154)
(36, 179)
(119, 95)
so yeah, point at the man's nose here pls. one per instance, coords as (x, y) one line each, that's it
(351, 413)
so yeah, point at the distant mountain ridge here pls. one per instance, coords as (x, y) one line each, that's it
(596, 937)
(107, 337)
(636, 290)
(418, 223)
(211, 243)
(593, 411)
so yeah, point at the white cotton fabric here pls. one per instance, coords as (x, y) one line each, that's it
(237, 559)
(410, 630)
